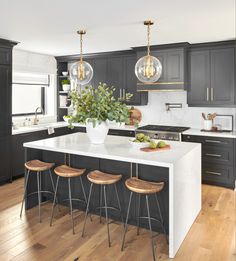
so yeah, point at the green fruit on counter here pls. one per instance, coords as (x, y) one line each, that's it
(161, 144)
(146, 139)
(139, 136)
(152, 144)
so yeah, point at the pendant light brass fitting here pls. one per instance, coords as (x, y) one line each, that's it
(148, 22)
(81, 32)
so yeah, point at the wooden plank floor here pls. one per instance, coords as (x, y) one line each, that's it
(211, 238)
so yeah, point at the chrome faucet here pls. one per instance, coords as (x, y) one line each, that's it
(36, 120)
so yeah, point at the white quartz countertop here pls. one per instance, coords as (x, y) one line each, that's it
(39, 127)
(114, 148)
(60, 124)
(198, 132)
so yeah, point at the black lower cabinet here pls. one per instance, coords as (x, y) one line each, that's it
(5, 156)
(111, 166)
(218, 159)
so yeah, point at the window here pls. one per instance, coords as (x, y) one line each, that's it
(28, 93)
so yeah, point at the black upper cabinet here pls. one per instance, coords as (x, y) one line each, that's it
(115, 75)
(199, 76)
(130, 82)
(99, 71)
(173, 61)
(5, 55)
(222, 76)
(212, 76)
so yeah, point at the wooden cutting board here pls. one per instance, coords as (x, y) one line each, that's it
(147, 149)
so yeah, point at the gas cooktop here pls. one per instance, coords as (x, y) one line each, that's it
(163, 128)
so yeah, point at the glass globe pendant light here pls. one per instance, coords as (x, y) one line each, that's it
(81, 72)
(148, 68)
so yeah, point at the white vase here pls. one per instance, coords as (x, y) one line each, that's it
(66, 87)
(97, 134)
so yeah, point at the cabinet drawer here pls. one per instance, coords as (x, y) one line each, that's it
(218, 174)
(220, 142)
(5, 56)
(218, 154)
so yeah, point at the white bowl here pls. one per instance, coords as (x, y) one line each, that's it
(65, 73)
(138, 145)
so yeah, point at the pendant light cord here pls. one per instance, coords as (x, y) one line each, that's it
(81, 47)
(148, 39)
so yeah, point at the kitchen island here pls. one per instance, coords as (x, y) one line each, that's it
(179, 168)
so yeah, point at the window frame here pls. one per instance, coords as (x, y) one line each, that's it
(42, 102)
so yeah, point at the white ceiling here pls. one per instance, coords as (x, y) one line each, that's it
(49, 26)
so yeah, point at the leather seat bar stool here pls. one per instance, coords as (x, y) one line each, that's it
(65, 171)
(146, 188)
(39, 167)
(103, 179)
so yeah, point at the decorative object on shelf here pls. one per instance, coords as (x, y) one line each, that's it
(95, 107)
(66, 118)
(148, 68)
(65, 85)
(81, 72)
(65, 73)
(135, 116)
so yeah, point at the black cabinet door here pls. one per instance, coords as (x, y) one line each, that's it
(222, 76)
(130, 82)
(5, 55)
(100, 71)
(199, 78)
(175, 68)
(5, 170)
(115, 75)
(5, 100)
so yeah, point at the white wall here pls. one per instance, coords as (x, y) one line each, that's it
(24, 61)
(155, 112)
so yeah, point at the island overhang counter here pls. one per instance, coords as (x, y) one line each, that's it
(179, 168)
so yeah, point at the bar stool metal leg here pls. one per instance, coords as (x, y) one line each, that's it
(71, 206)
(139, 198)
(25, 190)
(54, 200)
(100, 204)
(39, 194)
(53, 186)
(107, 219)
(119, 205)
(150, 227)
(126, 221)
(161, 218)
(86, 213)
(82, 185)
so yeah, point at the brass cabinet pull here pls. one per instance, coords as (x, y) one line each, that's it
(213, 173)
(207, 89)
(120, 93)
(212, 94)
(123, 93)
(213, 141)
(213, 155)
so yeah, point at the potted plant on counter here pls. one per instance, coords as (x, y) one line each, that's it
(95, 107)
(65, 85)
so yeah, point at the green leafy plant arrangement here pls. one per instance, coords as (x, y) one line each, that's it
(65, 81)
(98, 105)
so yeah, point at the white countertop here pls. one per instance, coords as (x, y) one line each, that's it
(114, 148)
(39, 127)
(198, 132)
(60, 124)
